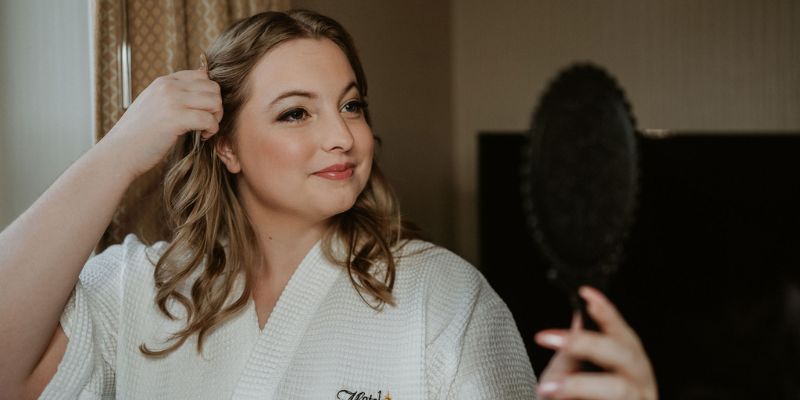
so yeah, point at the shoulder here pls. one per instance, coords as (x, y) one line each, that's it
(121, 261)
(452, 289)
(439, 270)
(434, 261)
(131, 248)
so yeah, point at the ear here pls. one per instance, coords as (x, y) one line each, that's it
(226, 153)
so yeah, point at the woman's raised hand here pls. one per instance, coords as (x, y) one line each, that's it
(171, 106)
(47, 246)
(616, 348)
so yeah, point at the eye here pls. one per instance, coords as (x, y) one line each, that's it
(355, 107)
(293, 115)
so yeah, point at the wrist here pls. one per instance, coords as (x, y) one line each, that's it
(116, 159)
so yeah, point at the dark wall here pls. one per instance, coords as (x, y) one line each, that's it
(709, 278)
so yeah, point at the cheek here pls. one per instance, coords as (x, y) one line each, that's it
(279, 153)
(366, 142)
(367, 150)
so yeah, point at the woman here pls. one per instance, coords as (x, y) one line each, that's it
(289, 274)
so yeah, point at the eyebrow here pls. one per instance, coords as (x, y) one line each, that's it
(293, 93)
(310, 95)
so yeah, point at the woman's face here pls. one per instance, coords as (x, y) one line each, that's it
(302, 146)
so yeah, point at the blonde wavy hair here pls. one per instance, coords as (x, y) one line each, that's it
(213, 242)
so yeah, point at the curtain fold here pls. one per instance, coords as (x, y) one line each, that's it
(163, 37)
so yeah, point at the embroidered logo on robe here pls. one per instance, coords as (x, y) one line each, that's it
(345, 394)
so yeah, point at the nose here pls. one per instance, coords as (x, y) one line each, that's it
(337, 135)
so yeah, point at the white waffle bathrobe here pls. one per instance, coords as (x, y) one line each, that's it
(448, 337)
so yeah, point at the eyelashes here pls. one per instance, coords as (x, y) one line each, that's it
(294, 115)
(355, 106)
(299, 114)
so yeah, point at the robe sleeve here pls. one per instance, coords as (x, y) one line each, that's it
(473, 347)
(90, 320)
(493, 361)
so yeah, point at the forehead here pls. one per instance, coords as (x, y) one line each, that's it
(314, 65)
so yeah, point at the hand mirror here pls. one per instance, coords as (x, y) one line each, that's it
(579, 178)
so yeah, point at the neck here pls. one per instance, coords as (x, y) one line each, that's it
(283, 240)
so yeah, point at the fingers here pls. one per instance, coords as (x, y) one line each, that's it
(588, 386)
(598, 348)
(200, 85)
(203, 101)
(209, 103)
(562, 363)
(201, 121)
(616, 347)
(577, 322)
(197, 91)
(606, 315)
(190, 74)
(197, 76)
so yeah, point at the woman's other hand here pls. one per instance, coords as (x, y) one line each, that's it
(171, 106)
(616, 348)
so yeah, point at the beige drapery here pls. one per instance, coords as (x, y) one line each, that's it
(163, 36)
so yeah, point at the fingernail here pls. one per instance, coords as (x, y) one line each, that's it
(552, 339)
(549, 387)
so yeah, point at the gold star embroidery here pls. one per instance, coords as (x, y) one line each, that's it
(387, 397)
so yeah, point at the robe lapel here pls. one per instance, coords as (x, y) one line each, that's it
(286, 324)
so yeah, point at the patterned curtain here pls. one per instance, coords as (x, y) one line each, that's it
(136, 41)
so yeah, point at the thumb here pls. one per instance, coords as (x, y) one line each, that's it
(561, 364)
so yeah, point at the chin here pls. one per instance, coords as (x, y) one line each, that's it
(331, 207)
(329, 202)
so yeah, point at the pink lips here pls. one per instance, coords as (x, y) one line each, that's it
(336, 172)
